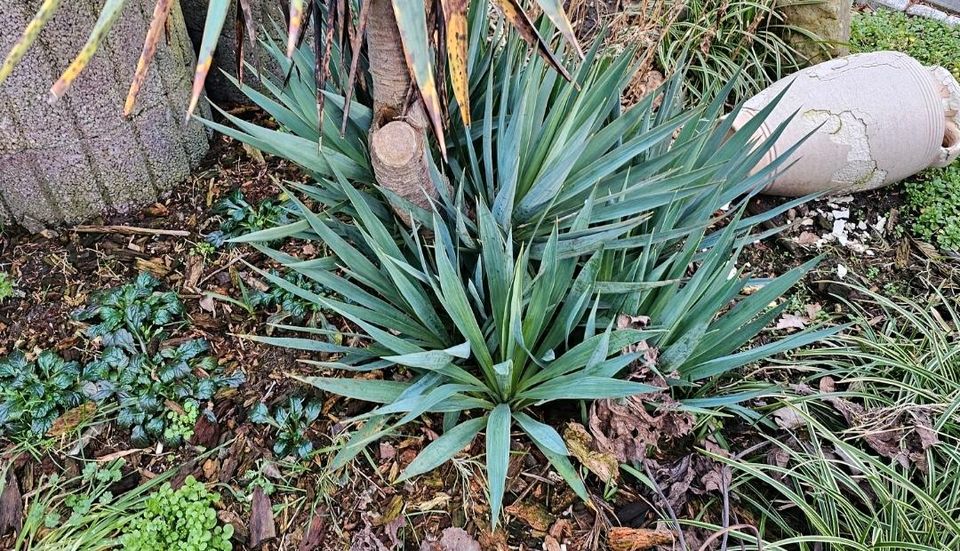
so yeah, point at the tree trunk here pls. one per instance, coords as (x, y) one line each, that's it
(218, 87)
(398, 140)
(68, 162)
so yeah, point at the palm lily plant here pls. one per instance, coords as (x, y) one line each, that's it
(556, 213)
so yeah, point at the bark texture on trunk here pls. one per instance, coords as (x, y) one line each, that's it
(79, 158)
(398, 141)
(218, 87)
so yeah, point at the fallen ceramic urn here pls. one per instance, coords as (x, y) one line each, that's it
(876, 119)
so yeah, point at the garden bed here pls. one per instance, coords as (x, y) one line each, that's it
(851, 437)
(56, 272)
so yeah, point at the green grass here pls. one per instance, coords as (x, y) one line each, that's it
(739, 40)
(934, 195)
(930, 42)
(886, 476)
(934, 200)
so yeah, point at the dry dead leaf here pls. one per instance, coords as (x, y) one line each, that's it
(788, 418)
(439, 501)
(314, 537)
(791, 321)
(627, 430)
(391, 511)
(157, 210)
(580, 444)
(457, 539)
(391, 528)
(550, 543)
(807, 238)
(211, 469)
(117, 455)
(387, 451)
(192, 272)
(532, 514)
(11, 506)
(72, 418)
(254, 154)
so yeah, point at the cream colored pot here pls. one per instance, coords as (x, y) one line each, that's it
(876, 119)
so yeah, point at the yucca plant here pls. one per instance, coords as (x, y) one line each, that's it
(563, 213)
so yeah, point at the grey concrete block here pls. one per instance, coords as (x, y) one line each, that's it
(67, 162)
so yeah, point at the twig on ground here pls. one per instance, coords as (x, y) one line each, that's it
(130, 230)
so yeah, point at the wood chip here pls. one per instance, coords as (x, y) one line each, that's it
(11, 506)
(637, 539)
(262, 526)
(314, 538)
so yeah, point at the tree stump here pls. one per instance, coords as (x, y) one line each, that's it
(828, 20)
(79, 158)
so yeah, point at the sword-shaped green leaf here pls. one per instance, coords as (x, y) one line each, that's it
(216, 16)
(412, 21)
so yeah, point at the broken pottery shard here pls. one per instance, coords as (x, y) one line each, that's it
(873, 119)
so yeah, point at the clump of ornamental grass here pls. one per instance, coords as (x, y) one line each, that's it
(864, 453)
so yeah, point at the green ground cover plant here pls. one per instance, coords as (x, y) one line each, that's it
(241, 217)
(81, 513)
(178, 519)
(157, 395)
(7, 285)
(130, 321)
(284, 305)
(934, 199)
(929, 41)
(34, 393)
(289, 424)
